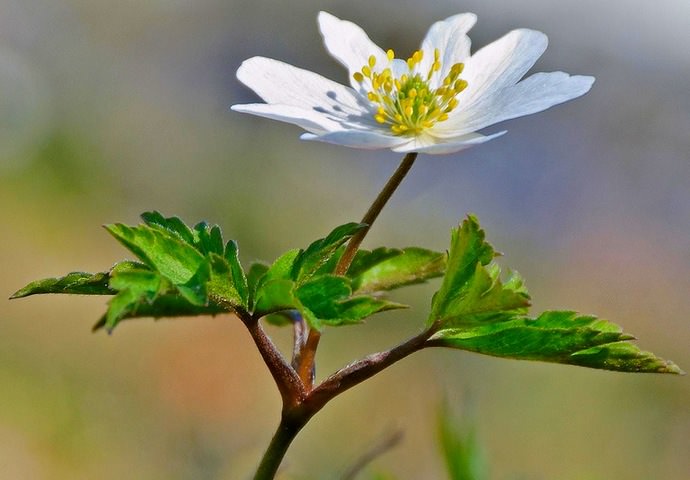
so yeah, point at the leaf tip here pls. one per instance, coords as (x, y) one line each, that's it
(18, 294)
(674, 369)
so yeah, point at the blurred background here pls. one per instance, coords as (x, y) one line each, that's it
(109, 109)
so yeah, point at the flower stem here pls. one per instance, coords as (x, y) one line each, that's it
(295, 381)
(373, 212)
(306, 366)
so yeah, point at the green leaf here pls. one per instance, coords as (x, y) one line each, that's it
(165, 305)
(273, 296)
(79, 283)
(320, 251)
(328, 300)
(208, 239)
(388, 268)
(472, 292)
(171, 224)
(274, 289)
(161, 250)
(222, 286)
(560, 337)
(225, 275)
(134, 287)
(256, 271)
(76, 283)
(239, 280)
(282, 268)
(195, 290)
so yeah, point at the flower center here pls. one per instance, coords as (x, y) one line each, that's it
(409, 104)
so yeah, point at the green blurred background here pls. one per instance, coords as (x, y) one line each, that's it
(108, 109)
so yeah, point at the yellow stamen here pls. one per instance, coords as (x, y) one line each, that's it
(409, 104)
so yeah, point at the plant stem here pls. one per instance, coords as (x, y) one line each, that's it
(295, 382)
(307, 367)
(288, 382)
(367, 367)
(285, 434)
(307, 355)
(296, 414)
(373, 212)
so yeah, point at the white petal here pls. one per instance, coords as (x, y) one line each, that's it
(281, 83)
(348, 44)
(309, 120)
(450, 37)
(358, 139)
(534, 94)
(436, 147)
(501, 64)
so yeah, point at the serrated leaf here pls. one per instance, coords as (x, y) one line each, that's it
(273, 296)
(134, 287)
(256, 271)
(161, 250)
(320, 251)
(195, 290)
(208, 239)
(327, 300)
(231, 255)
(166, 305)
(76, 283)
(388, 268)
(173, 225)
(274, 289)
(472, 292)
(560, 337)
(222, 284)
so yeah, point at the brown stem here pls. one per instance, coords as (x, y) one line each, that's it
(373, 212)
(307, 366)
(296, 414)
(300, 400)
(363, 369)
(288, 382)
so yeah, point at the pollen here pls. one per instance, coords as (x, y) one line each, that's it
(409, 104)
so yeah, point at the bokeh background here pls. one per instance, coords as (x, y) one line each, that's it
(108, 109)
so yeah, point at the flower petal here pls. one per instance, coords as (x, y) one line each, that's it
(348, 44)
(433, 146)
(366, 139)
(278, 82)
(533, 94)
(500, 64)
(450, 37)
(310, 120)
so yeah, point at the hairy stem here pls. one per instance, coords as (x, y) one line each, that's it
(288, 382)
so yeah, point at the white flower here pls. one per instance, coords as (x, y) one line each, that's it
(435, 102)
